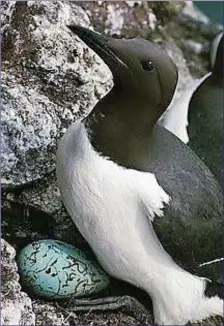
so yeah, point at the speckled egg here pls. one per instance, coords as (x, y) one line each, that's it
(55, 270)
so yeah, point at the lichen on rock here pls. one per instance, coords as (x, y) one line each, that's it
(48, 78)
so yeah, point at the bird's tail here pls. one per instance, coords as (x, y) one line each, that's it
(181, 298)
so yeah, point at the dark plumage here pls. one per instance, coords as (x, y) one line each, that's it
(205, 117)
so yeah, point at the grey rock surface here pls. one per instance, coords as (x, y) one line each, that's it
(49, 79)
(47, 314)
(16, 305)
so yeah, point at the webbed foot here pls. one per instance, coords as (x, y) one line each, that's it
(126, 304)
(213, 320)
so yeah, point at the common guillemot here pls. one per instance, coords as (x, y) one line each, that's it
(175, 118)
(138, 194)
(205, 116)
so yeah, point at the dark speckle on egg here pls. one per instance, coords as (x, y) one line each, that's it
(55, 270)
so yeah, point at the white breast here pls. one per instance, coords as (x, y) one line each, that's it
(175, 118)
(109, 204)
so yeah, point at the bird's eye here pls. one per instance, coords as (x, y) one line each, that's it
(147, 65)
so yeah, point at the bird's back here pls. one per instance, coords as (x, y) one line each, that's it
(205, 127)
(191, 229)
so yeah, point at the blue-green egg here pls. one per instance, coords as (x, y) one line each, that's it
(55, 270)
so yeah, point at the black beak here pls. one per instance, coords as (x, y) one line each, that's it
(99, 44)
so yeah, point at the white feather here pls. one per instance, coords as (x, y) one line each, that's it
(214, 48)
(113, 208)
(175, 118)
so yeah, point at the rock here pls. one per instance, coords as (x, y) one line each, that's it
(48, 77)
(194, 13)
(16, 305)
(131, 18)
(194, 46)
(37, 212)
(48, 314)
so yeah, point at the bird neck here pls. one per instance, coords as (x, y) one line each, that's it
(120, 125)
(127, 111)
